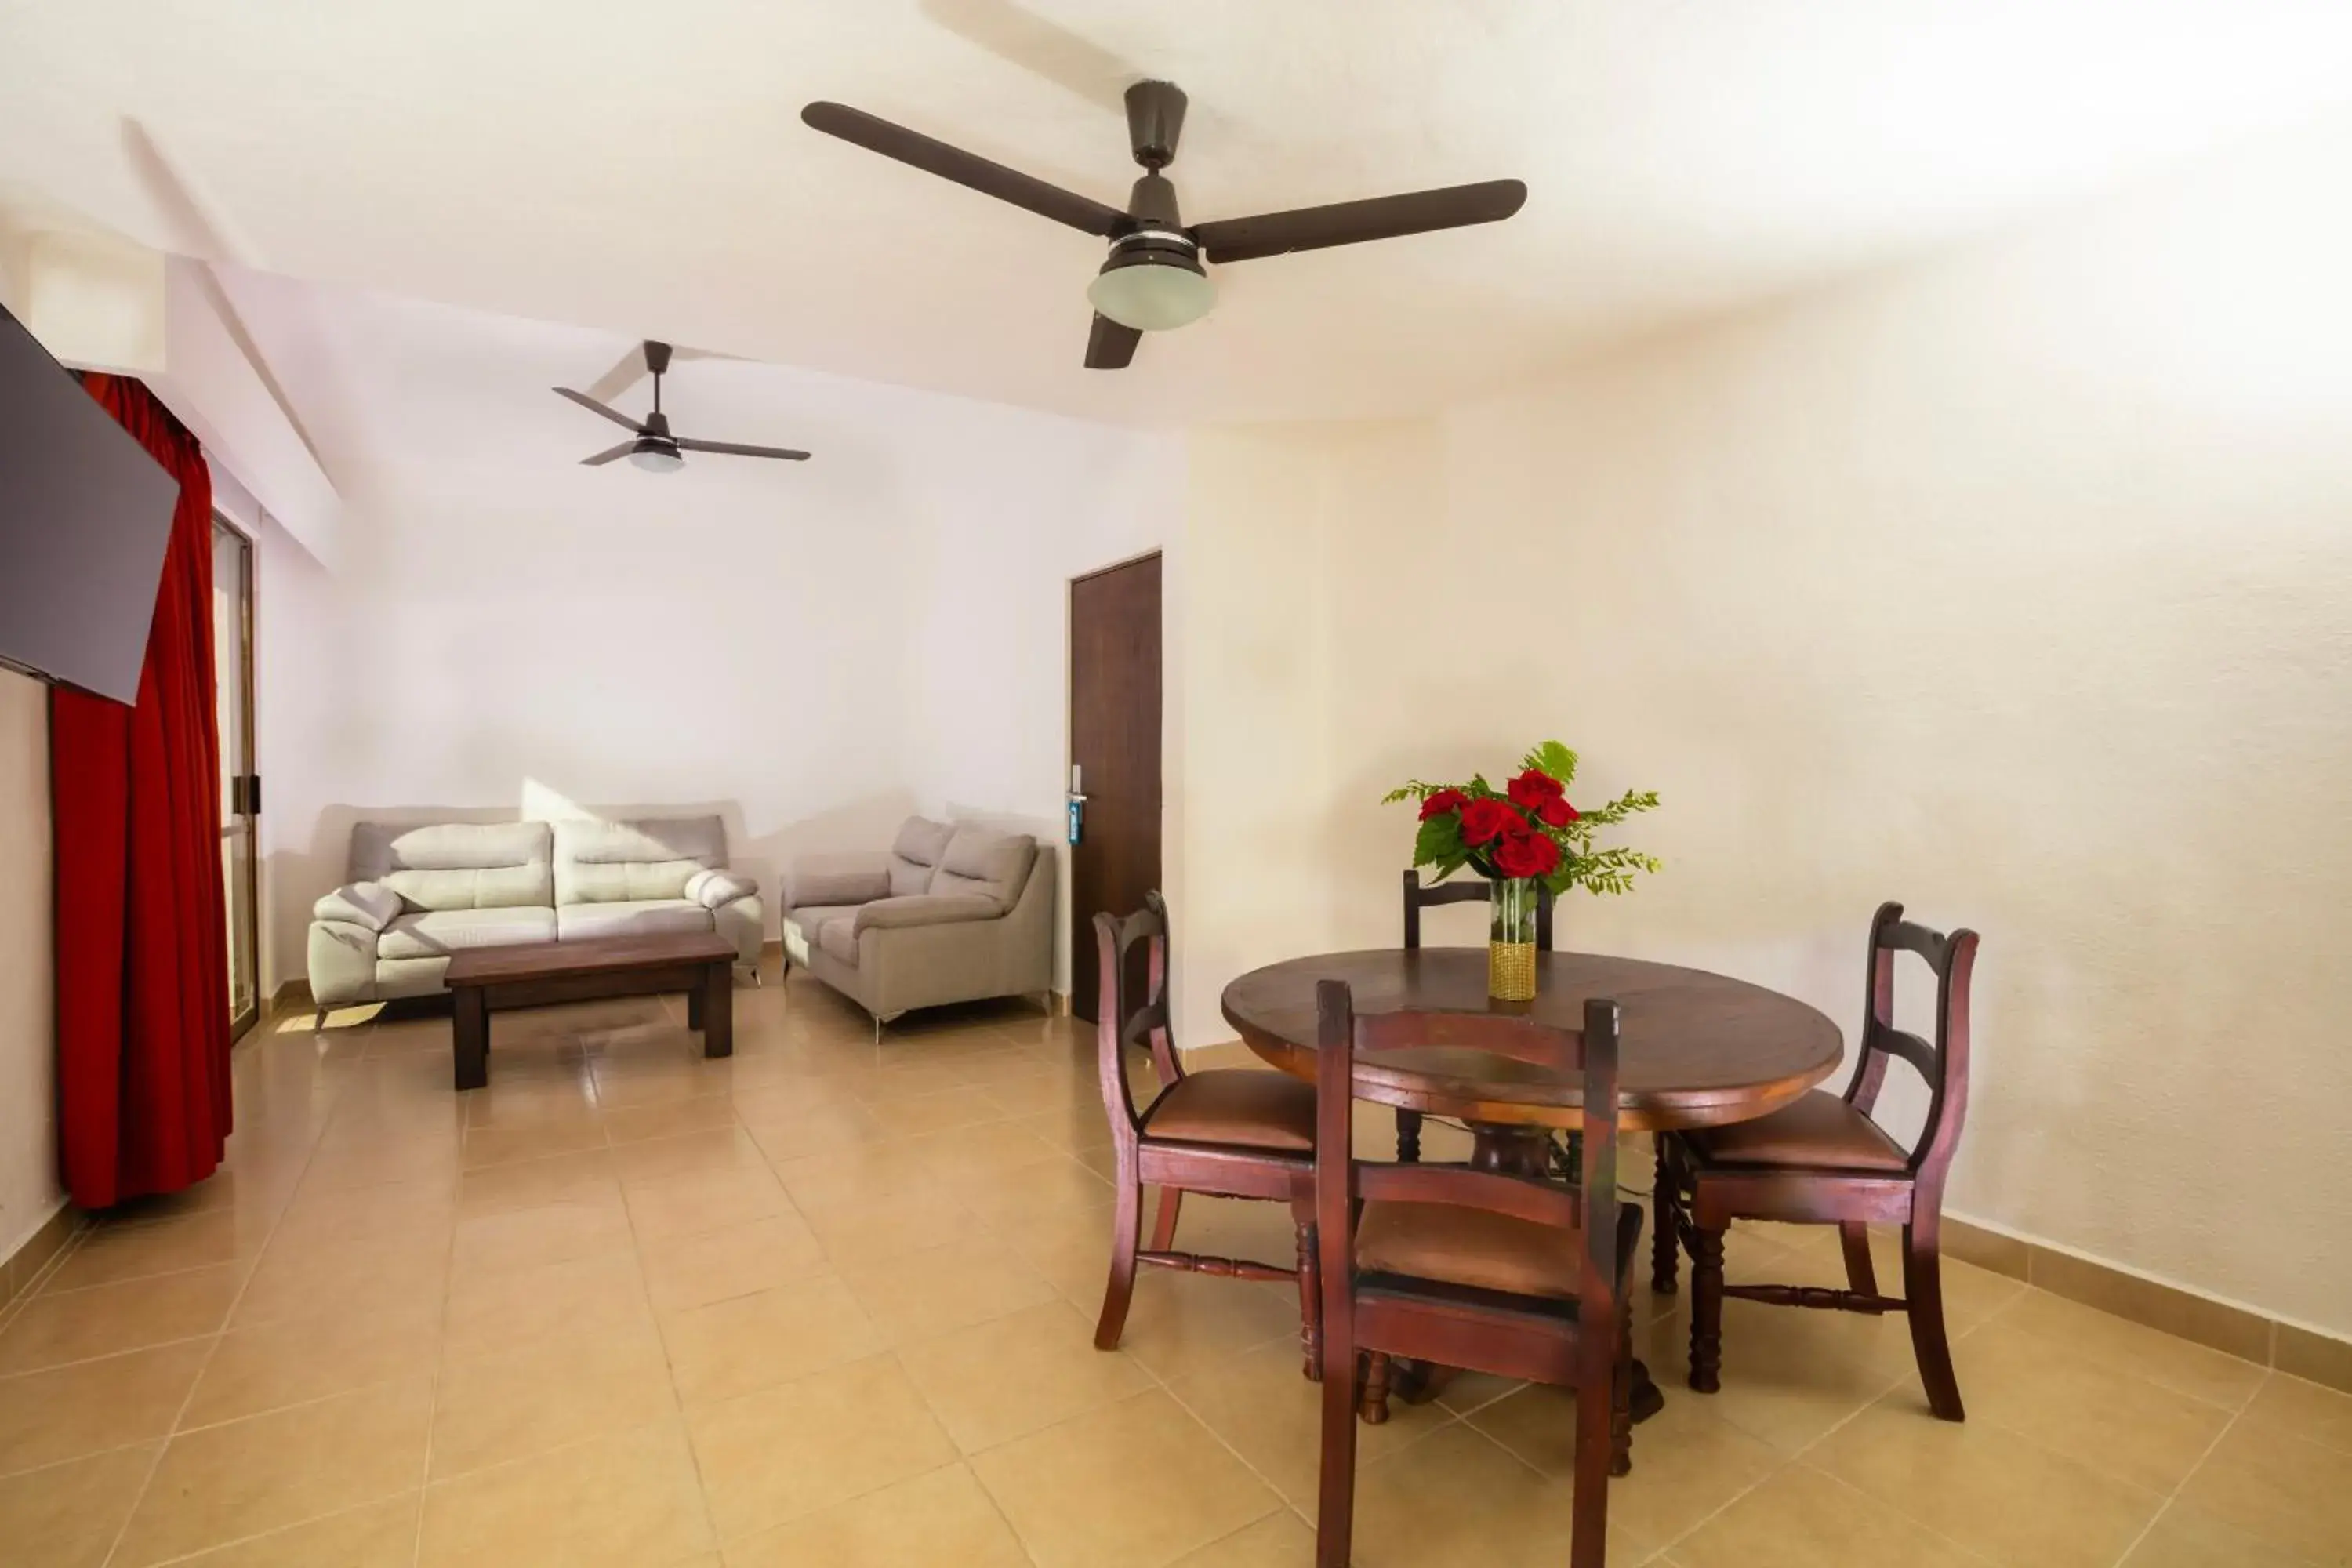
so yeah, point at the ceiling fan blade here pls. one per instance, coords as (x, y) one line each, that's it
(608, 455)
(1350, 223)
(734, 449)
(590, 404)
(964, 168)
(1111, 346)
(630, 369)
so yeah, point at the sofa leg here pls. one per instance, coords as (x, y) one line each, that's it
(317, 1020)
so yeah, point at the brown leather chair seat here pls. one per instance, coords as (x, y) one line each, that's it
(1236, 1105)
(1470, 1247)
(1815, 1131)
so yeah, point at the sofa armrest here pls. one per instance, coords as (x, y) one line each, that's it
(712, 889)
(342, 964)
(369, 904)
(924, 910)
(831, 880)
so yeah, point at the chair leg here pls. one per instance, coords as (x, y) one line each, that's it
(1706, 1309)
(1335, 1511)
(1376, 1389)
(1310, 1295)
(1666, 1227)
(1408, 1137)
(1164, 1232)
(1597, 1424)
(1861, 1274)
(1923, 1288)
(1127, 1221)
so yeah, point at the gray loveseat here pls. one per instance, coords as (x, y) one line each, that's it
(950, 914)
(419, 894)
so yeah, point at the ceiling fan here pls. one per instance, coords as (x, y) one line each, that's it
(652, 447)
(1153, 280)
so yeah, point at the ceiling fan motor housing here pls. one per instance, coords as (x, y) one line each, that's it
(1155, 119)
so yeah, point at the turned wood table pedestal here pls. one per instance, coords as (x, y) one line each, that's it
(483, 980)
(1697, 1049)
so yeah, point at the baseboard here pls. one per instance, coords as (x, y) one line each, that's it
(2230, 1327)
(293, 996)
(22, 1268)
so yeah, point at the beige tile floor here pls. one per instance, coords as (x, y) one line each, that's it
(829, 1304)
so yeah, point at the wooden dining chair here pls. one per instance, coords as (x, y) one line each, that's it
(1822, 1159)
(1510, 1275)
(1230, 1132)
(1419, 896)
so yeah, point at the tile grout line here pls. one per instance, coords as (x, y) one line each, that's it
(1799, 1457)
(2189, 1475)
(440, 1349)
(16, 1304)
(172, 1436)
(637, 1257)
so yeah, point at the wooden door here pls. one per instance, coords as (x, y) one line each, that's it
(1115, 746)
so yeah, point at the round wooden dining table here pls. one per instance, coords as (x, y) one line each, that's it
(1696, 1049)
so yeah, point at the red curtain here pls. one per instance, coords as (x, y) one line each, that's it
(142, 933)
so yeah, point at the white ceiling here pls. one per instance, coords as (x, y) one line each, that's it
(642, 170)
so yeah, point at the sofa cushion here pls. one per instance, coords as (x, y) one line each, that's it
(923, 909)
(838, 937)
(712, 889)
(916, 853)
(629, 862)
(436, 934)
(369, 904)
(629, 917)
(457, 865)
(811, 922)
(821, 880)
(990, 864)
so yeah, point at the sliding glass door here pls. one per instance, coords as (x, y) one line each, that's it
(241, 785)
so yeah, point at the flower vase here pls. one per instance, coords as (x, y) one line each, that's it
(1511, 939)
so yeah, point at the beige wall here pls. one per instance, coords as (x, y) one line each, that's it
(29, 1193)
(2018, 586)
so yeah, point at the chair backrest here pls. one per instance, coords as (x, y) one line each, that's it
(1127, 1019)
(1944, 1065)
(1418, 897)
(1346, 1043)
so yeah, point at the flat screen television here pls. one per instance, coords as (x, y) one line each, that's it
(85, 514)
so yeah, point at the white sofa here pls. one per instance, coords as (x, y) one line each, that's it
(419, 894)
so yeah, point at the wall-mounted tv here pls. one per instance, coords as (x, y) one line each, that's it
(85, 514)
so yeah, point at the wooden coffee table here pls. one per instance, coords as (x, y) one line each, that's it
(535, 974)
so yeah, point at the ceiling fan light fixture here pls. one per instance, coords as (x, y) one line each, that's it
(656, 456)
(1152, 288)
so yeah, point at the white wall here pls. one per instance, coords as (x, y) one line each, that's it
(2016, 587)
(29, 1192)
(814, 650)
(1011, 506)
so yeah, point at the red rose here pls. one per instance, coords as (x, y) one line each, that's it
(1558, 813)
(1444, 801)
(1484, 818)
(1526, 855)
(1533, 789)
